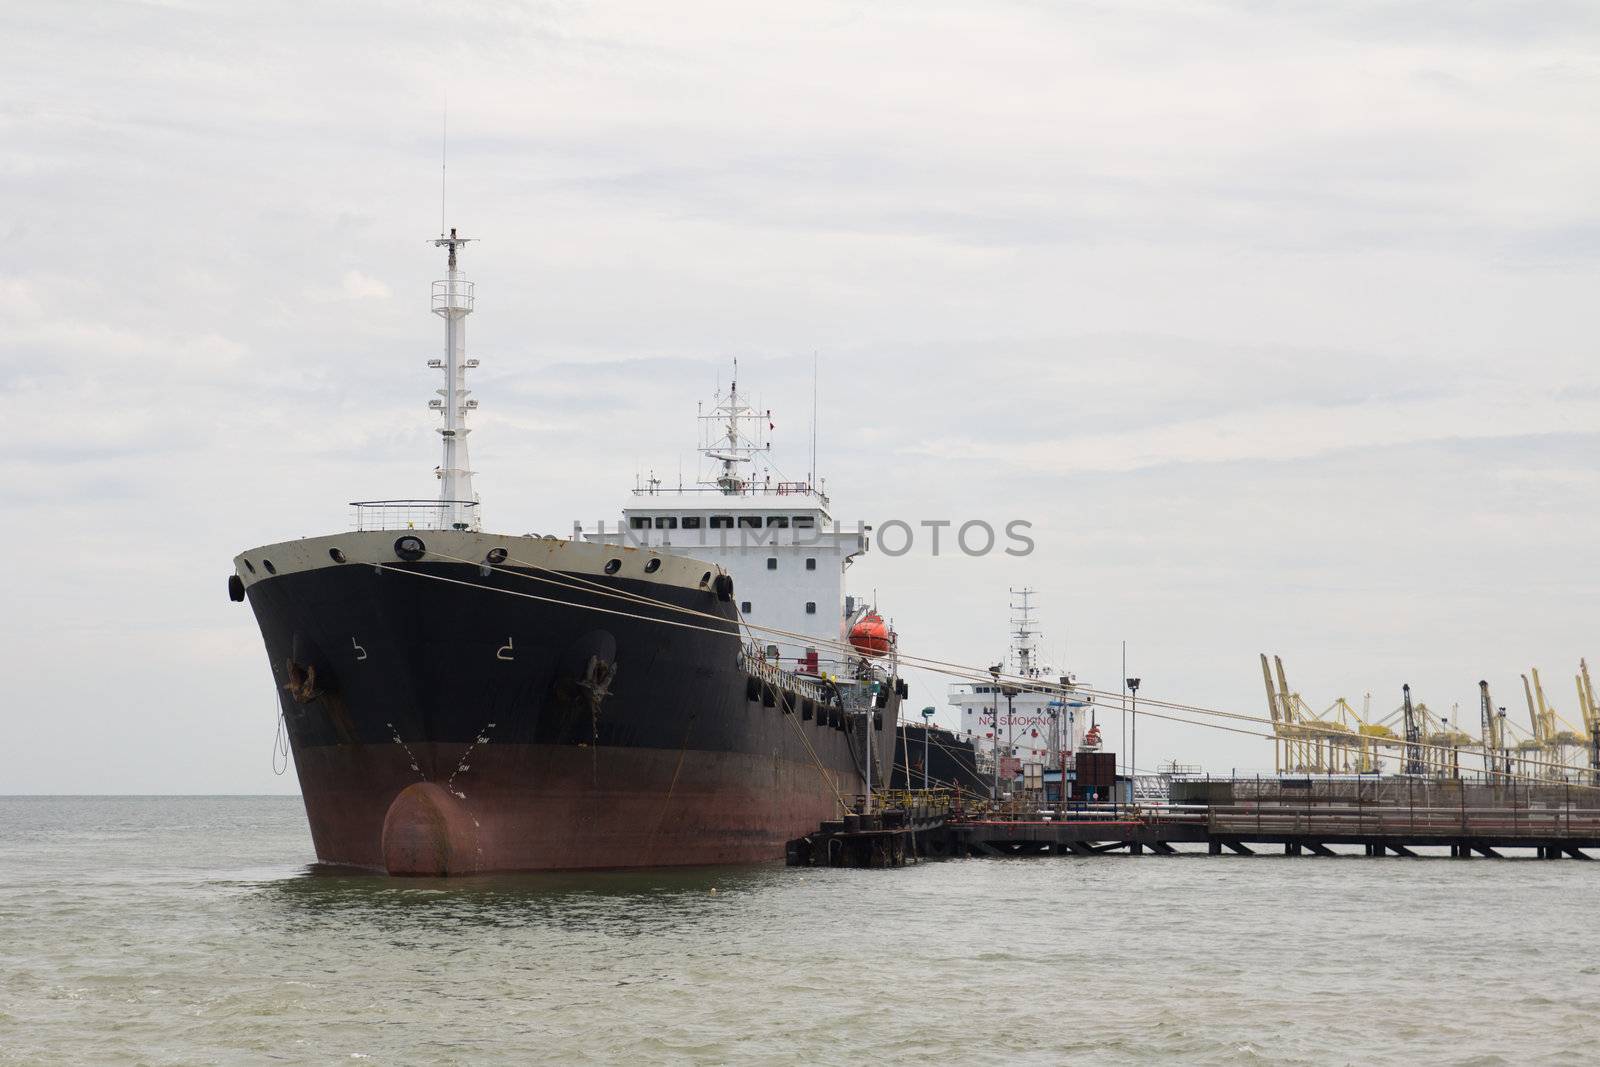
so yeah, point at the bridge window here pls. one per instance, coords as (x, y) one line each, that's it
(691, 522)
(639, 522)
(805, 522)
(781, 521)
(722, 522)
(666, 522)
(750, 522)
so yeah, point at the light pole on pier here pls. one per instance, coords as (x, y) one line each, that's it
(927, 729)
(1133, 751)
(994, 674)
(1011, 718)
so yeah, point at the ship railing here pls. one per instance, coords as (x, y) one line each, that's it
(415, 514)
(758, 665)
(750, 489)
(454, 294)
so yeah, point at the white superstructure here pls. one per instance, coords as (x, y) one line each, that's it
(1033, 727)
(776, 537)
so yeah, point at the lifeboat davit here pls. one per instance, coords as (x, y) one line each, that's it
(871, 636)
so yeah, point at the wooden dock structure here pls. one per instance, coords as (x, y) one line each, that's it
(1550, 825)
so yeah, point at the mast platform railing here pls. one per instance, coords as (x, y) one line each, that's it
(455, 294)
(414, 514)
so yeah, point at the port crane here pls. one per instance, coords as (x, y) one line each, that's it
(1332, 741)
(1413, 734)
(1442, 741)
(1341, 740)
(1495, 759)
(1554, 734)
(1589, 710)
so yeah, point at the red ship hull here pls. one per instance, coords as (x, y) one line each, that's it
(545, 807)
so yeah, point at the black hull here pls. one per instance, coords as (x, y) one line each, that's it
(510, 700)
(951, 762)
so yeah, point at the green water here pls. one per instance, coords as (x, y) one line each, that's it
(191, 930)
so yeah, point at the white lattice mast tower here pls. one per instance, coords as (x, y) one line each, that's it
(452, 301)
(1024, 638)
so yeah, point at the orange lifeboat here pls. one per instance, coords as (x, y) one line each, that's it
(871, 636)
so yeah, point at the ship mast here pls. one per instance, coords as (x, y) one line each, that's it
(452, 301)
(1024, 648)
(728, 444)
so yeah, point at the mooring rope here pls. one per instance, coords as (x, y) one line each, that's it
(979, 674)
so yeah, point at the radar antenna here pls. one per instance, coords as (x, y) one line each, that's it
(729, 444)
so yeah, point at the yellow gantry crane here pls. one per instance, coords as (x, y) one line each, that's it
(1589, 710)
(1308, 741)
(1443, 742)
(1339, 740)
(1530, 750)
(1557, 738)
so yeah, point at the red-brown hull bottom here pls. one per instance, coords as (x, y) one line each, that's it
(548, 807)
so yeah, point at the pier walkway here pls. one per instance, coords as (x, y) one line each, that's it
(1329, 827)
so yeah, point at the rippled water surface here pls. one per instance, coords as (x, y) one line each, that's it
(191, 930)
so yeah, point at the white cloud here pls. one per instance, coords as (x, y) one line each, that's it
(358, 286)
(1278, 433)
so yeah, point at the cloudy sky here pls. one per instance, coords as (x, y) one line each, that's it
(1276, 320)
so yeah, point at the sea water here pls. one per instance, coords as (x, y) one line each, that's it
(197, 930)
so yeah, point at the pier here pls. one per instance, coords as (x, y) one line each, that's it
(1389, 817)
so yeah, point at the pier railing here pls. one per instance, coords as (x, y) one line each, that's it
(1353, 821)
(1365, 821)
(911, 826)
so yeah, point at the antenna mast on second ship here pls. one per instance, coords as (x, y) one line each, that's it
(1024, 647)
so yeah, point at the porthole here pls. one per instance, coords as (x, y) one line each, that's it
(267, 563)
(495, 557)
(410, 548)
(653, 566)
(335, 555)
(251, 567)
(613, 566)
(745, 607)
